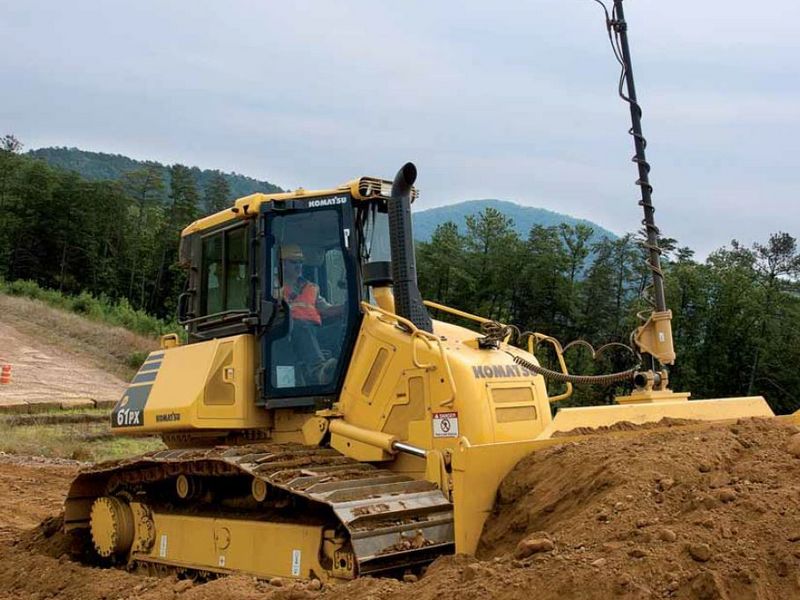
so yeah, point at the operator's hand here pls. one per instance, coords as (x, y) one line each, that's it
(333, 311)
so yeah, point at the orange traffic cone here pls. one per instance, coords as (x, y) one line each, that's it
(5, 374)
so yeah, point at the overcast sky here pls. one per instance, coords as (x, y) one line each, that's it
(510, 100)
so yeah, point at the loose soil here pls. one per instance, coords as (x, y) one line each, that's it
(711, 514)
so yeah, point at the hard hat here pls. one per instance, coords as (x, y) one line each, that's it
(291, 252)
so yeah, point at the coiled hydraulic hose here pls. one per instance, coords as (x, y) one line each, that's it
(576, 379)
(495, 333)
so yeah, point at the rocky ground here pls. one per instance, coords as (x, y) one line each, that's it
(672, 514)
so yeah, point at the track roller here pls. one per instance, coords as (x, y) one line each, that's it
(259, 489)
(188, 487)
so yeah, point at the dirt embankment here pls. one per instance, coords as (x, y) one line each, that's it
(44, 375)
(31, 328)
(686, 514)
(713, 514)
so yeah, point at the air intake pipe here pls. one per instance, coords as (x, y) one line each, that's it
(407, 299)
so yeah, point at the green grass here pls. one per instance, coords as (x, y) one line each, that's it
(102, 309)
(54, 434)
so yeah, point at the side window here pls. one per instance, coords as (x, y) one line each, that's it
(236, 270)
(225, 281)
(212, 275)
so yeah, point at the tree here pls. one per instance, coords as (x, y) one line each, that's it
(775, 263)
(441, 266)
(10, 165)
(184, 198)
(576, 241)
(217, 193)
(9, 143)
(145, 187)
(491, 245)
(545, 295)
(182, 210)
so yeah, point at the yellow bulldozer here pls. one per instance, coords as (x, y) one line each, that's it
(319, 423)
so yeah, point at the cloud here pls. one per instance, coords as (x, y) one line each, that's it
(503, 99)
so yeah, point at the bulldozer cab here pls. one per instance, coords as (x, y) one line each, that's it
(291, 274)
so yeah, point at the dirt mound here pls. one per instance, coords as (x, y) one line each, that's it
(691, 514)
(711, 514)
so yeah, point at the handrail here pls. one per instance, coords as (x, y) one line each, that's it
(540, 337)
(408, 324)
(463, 314)
(219, 316)
(456, 312)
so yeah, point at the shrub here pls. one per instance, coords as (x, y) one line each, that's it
(85, 304)
(136, 359)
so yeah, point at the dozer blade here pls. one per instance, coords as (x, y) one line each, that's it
(569, 420)
(479, 470)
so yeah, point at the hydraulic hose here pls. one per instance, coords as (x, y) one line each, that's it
(575, 379)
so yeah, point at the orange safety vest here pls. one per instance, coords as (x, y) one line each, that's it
(304, 304)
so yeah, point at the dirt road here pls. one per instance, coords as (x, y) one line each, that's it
(44, 375)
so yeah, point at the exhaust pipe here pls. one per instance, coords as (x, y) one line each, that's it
(407, 299)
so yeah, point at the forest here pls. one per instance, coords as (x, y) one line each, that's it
(736, 315)
(98, 166)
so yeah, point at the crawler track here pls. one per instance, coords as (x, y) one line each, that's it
(393, 521)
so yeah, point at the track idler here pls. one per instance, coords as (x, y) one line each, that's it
(119, 527)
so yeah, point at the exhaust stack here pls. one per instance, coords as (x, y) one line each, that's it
(407, 299)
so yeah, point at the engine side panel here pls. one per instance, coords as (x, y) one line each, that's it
(207, 385)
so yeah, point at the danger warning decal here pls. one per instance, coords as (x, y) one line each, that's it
(445, 424)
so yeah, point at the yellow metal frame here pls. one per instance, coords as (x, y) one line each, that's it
(533, 340)
(248, 206)
(258, 548)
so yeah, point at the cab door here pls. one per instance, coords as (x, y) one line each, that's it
(310, 279)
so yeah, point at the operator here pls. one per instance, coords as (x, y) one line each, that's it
(307, 308)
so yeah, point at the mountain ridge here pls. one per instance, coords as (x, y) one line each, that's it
(103, 166)
(524, 217)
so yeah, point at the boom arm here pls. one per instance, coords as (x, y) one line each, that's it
(654, 337)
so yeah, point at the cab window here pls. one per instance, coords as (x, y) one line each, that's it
(225, 281)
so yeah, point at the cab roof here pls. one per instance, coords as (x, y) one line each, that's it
(247, 207)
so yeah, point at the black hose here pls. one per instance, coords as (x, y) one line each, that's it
(577, 379)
